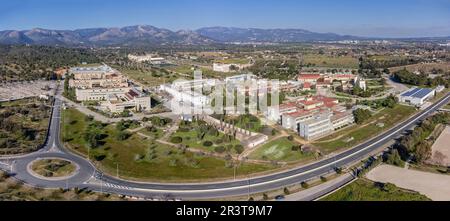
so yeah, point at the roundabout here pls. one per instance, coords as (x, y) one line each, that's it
(53, 168)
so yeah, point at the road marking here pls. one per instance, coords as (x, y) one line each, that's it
(306, 172)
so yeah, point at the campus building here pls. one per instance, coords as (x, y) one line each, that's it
(109, 87)
(147, 58)
(312, 117)
(417, 96)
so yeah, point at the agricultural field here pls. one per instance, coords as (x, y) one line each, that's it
(145, 159)
(23, 125)
(281, 149)
(356, 134)
(330, 61)
(366, 190)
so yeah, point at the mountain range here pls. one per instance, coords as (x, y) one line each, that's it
(150, 35)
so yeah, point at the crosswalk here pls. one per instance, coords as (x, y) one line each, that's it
(116, 186)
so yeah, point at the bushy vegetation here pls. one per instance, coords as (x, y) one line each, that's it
(388, 102)
(361, 115)
(406, 77)
(23, 125)
(365, 190)
(417, 143)
(20, 62)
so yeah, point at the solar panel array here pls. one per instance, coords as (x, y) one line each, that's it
(411, 92)
(417, 92)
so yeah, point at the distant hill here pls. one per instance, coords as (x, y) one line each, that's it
(149, 35)
(225, 34)
(131, 35)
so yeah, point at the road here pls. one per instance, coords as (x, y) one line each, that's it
(89, 177)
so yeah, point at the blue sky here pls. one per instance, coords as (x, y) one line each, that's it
(381, 18)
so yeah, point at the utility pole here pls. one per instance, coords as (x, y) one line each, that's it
(101, 183)
(248, 180)
(117, 170)
(234, 172)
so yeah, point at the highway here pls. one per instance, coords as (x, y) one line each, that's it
(89, 177)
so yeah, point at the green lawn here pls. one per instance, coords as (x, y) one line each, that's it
(279, 150)
(147, 160)
(389, 117)
(365, 190)
(191, 140)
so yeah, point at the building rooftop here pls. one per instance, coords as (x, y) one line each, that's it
(417, 92)
(309, 76)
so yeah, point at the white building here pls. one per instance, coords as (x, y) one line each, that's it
(360, 83)
(317, 127)
(147, 58)
(186, 95)
(133, 99)
(417, 96)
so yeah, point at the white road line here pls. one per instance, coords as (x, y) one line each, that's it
(298, 174)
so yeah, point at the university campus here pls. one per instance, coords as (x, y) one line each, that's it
(145, 113)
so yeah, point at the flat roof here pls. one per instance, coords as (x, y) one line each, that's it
(417, 92)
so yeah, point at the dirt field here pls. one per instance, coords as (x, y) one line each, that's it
(442, 145)
(434, 186)
(423, 67)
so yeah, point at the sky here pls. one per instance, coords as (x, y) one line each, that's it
(372, 18)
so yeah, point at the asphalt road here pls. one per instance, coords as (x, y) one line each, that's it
(88, 177)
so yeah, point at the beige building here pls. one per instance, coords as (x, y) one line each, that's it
(96, 77)
(108, 86)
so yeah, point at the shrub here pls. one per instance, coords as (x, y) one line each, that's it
(239, 148)
(89, 118)
(219, 149)
(207, 143)
(176, 140)
(122, 135)
(304, 185)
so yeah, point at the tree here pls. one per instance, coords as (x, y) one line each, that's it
(394, 158)
(219, 149)
(361, 115)
(423, 151)
(239, 148)
(176, 140)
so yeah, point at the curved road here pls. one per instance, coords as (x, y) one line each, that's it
(89, 177)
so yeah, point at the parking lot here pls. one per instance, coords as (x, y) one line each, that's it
(20, 90)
